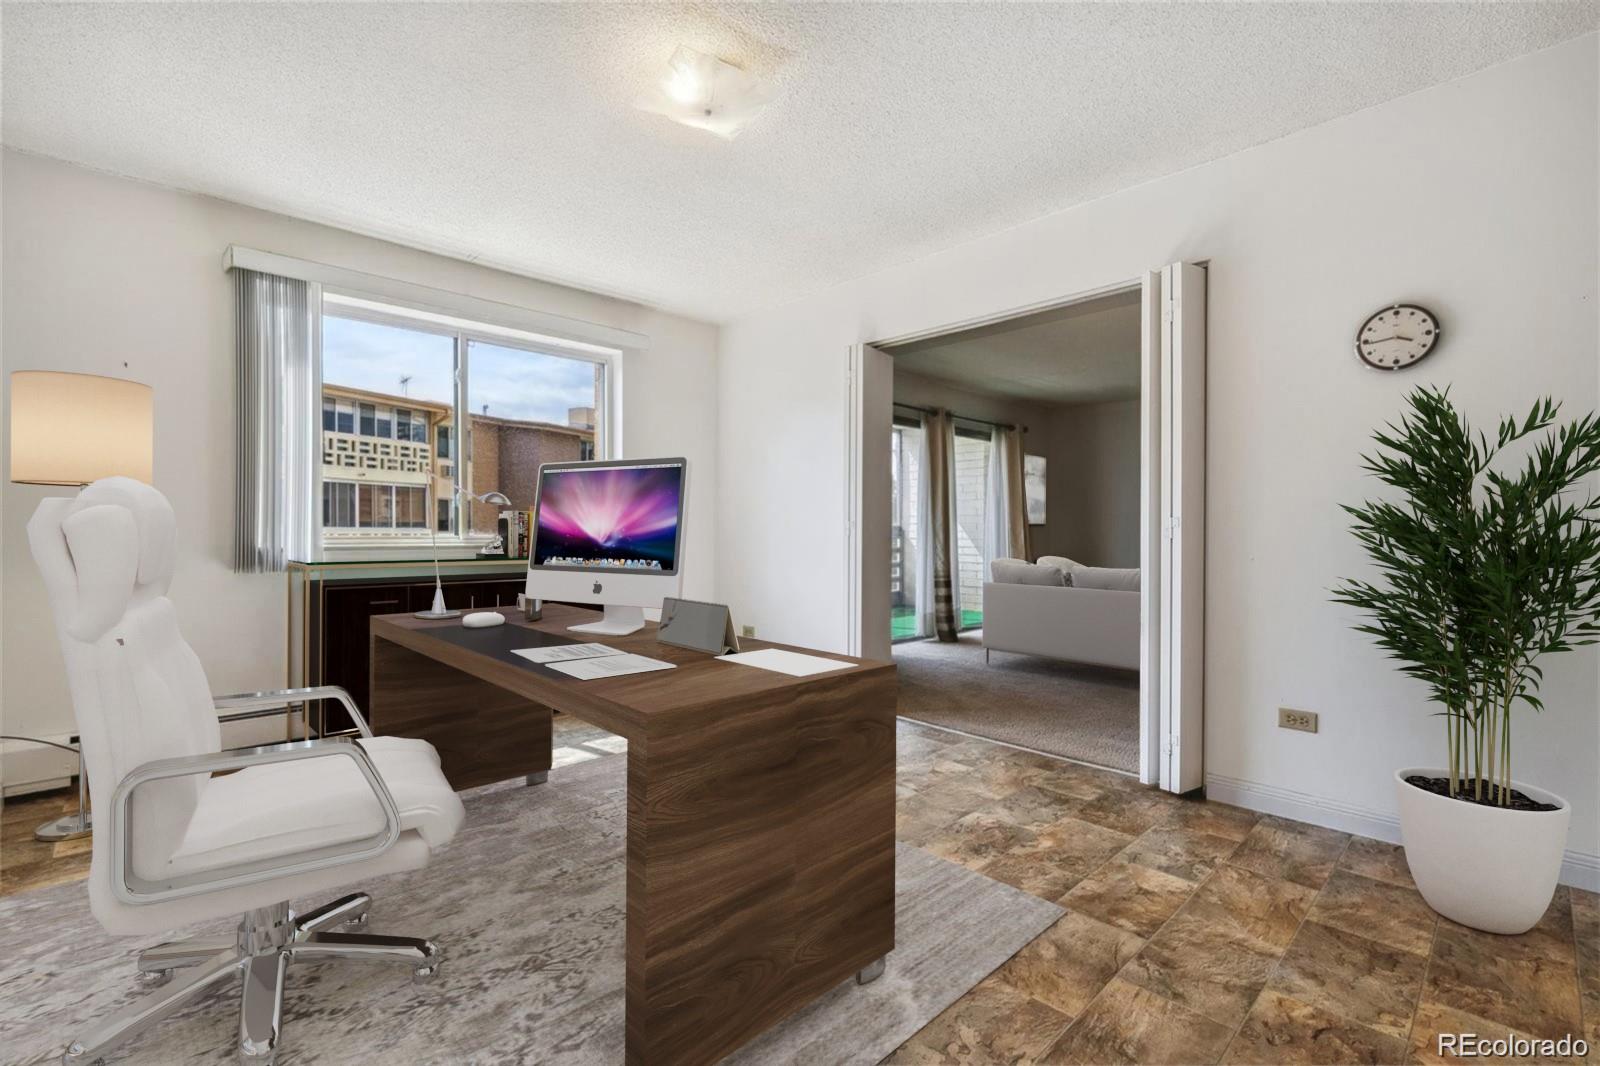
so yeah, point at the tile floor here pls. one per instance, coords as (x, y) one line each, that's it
(1194, 932)
(1197, 932)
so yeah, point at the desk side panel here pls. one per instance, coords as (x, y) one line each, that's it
(760, 861)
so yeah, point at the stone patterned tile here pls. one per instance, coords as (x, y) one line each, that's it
(1586, 934)
(1553, 936)
(1060, 855)
(1390, 914)
(1434, 1019)
(1208, 967)
(992, 1024)
(1029, 807)
(1216, 819)
(1521, 982)
(922, 816)
(1129, 896)
(1280, 1031)
(1187, 853)
(1216, 953)
(1077, 784)
(1131, 811)
(1351, 977)
(1265, 911)
(1277, 847)
(1377, 860)
(1129, 1024)
(977, 839)
(1068, 964)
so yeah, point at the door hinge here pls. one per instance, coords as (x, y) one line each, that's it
(1170, 525)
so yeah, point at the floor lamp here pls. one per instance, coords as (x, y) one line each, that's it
(71, 429)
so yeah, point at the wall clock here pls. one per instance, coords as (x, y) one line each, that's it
(1398, 336)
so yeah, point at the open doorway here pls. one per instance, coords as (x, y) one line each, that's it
(894, 477)
(1032, 425)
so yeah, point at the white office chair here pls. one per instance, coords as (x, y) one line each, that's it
(175, 845)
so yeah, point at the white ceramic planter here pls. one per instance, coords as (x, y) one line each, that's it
(1484, 867)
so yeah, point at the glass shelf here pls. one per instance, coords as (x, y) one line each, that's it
(476, 562)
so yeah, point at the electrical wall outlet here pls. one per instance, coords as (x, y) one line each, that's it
(1289, 718)
(747, 631)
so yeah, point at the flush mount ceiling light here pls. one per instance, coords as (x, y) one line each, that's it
(707, 93)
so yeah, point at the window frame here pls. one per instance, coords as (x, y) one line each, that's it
(421, 319)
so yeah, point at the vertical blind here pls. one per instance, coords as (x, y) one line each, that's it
(275, 515)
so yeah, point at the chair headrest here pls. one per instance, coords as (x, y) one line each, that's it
(113, 546)
(156, 525)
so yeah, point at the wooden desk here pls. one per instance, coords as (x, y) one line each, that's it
(760, 863)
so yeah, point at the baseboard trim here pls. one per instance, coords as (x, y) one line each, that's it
(1578, 869)
(1016, 747)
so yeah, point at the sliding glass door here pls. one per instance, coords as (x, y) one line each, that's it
(906, 532)
(973, 496)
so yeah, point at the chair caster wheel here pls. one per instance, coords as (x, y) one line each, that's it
(75, 1053)
(422, 975)
(153, 978)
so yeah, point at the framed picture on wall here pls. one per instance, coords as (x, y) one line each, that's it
(1033, 487)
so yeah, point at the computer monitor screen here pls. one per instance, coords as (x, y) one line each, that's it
(621, 517)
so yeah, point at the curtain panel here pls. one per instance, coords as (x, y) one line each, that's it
(940, 430)
(275, 517)
(1019, 536)
(926, 622)
(996, 520)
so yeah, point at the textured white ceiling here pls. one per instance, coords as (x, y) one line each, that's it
(506, 132)
(1083, 352)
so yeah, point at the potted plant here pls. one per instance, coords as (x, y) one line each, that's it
(1481, 572)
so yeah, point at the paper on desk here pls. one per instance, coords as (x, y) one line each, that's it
(786, 662)
(610, 666)
(560, 653)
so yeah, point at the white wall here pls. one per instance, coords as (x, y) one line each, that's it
(116, 277)
(1477, 197)
(1091, 483)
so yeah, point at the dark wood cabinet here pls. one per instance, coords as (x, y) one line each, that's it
(339, 614)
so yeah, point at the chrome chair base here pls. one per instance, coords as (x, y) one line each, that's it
(268, 940)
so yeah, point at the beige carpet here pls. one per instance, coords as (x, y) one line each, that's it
(1077, 712)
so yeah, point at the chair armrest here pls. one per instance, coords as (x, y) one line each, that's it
(244, 705)
(132, 889)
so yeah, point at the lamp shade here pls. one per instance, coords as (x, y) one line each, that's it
(71, 429)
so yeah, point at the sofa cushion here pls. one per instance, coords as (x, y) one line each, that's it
(1017, 572)
(1061, 563)
(1106, 577)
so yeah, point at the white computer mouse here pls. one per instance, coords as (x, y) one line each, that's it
(483, 620)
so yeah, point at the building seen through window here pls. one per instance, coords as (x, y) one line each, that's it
(392, 457)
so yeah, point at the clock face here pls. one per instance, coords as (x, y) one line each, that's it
(1397, 337)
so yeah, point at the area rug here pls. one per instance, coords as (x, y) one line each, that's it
(1077, 712)
(527, 903)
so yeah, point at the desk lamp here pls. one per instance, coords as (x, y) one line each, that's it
(439, 610)
(71, 429)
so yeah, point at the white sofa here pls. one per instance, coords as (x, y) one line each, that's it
(1028, 609)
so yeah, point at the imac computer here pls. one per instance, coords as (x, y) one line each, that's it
(609, 533)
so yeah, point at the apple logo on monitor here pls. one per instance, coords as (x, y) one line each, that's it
(597, 588)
